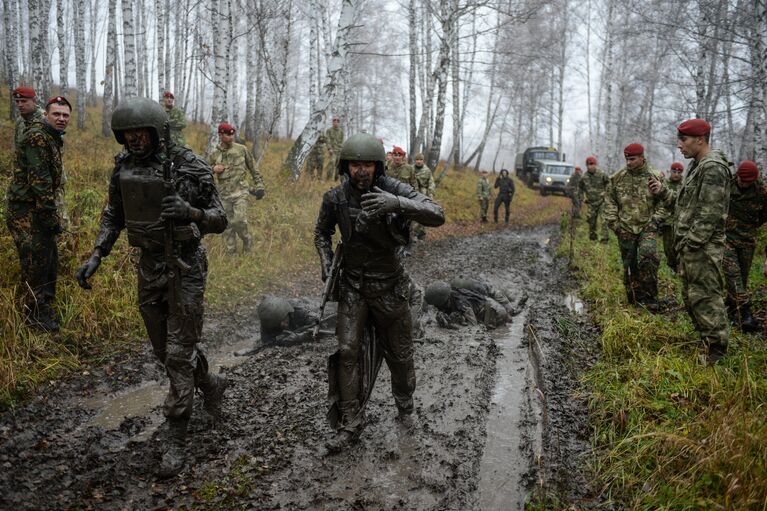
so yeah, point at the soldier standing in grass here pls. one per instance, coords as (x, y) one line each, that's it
(176, 117)
(373, 213)
(171, 272)
(232, 164)
(593, 185)
(700, 212)
(315, 160)
(483, 195)
(635, 214)
(505, 186)
(573, 190)
(747, 213)
(335, 139)
(32, 215)
(666, 227)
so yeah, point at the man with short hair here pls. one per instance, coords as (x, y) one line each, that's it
(593, 186)
(400, 168)
(700, 212)
(32, 215)
(483, 195)
(335, 139)
(635, 214)
(505, 186)
(176, 118)
(232, 164)
(673, 183)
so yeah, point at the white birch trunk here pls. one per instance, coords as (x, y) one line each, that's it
(93, 16)
(129, 48)
(160, 44)
(61, 37)
(440, 76)
(80, 67)
(759, 92)
(109, 68)
(313, 54)
(455, 62)
(413, 77)
(11, 50)
(220, 80)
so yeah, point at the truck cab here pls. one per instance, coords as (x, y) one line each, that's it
(554, 176)
(525, 165)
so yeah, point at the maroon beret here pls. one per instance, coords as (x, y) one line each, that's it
(694, 128)
(168, 94)
(677, 166)
(226, 128)
(747, 171)
(591, 160)
(633, 150)
(59, 100)
(398, 150)
(23, 92)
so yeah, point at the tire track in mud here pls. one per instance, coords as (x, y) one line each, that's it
(268, 454)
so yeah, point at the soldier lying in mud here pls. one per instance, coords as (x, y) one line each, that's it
(466, 301)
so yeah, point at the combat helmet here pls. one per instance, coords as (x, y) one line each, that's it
(437, 293)
(362, 147)
(272, 311)
(135, 113)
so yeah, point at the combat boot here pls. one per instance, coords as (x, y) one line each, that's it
(174, 457)
(247, 244)
(44, 318)
(341, 441)
(746, 321)
(213, 387)
(715, 352)
(350, 427)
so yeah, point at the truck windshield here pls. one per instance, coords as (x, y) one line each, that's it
(544, 155)
(560, 170)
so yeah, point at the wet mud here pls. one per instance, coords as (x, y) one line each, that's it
(499, 417)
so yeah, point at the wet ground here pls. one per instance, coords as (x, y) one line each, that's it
(499, 416)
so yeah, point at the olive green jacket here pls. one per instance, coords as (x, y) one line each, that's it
(232, 183)
(483, 188)
(177, 120)
(425, 181)
(593, 186)
(404, 172)
(335, 138)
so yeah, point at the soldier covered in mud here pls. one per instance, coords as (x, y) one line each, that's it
(164, 196)
(373, 213)
(747, 213)
(673, 183)
(635, 214)
(505, 186)
(592, 186)
(466, 301)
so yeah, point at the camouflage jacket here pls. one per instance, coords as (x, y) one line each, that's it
(748, 212)
(483, 188)
(593, 186)
(335, 137)
(404, 172)
(629, 205)
(319, 146)
(573, 186)
(238, 163)
(668, 212)
(424, 181)
(22, 123)
(37, 171)
(700, 206)
(177, 121)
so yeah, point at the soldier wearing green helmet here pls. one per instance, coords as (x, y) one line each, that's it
(468, 301)
(171, 283)
(374, 213)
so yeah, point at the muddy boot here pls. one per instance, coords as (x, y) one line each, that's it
(350, 429)
(715, 352)
(247, 244)
(44, 318)
(213, 387)
(174, 457)
(341, 441)
(747, 323)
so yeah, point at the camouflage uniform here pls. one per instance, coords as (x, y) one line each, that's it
(483, 195)
(634, 214)
(700, 211)
(232, 187)
(32, 216)
(177, 121)
(748, 212)
(574, 191)
(505, 187)
(469, 302)
(315, 160)
(335, 139)
(404, 172)
(424, 183)
(667, 227)
(593, 187)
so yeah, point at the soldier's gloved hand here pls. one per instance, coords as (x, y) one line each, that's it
(258, 194)
(176, 208)
(88, 269)
(379, 202)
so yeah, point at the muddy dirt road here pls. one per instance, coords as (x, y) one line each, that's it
(498, 413)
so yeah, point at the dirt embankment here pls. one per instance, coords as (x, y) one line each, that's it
(497, 418)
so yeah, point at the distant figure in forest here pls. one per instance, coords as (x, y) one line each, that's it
(574, 192)
(334, 136)
(483, 195)
(400, 168)
(315, 160)
(592, 186)
(505, 186)
(673, 182)
(176, 118)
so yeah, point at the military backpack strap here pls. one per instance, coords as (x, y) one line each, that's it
(342, 213)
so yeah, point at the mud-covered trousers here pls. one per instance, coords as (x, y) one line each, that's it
(639, 255)
(386, 305)
(175, 331)
(237, 216)
(703, 290)
(736, 266)
(595, 211)
(504, 199)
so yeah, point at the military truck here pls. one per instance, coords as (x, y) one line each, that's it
(524, 164)
(553, 176)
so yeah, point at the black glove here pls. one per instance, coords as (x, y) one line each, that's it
(258, 194)
(87, 270)
(379, 202)
(176, 208)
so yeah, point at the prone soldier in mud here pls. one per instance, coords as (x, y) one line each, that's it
(483, 195)
(700, 213)
(592, 186)
(635, 214)
(400, 168)
(315, 160)
(673, 183)
(574, 192)
(466, 301)
(747, 213)
(373, 213)
(505, 186)
(335, 139)
(232, 164)
(32, 215)
(176, 118)
(164, 196)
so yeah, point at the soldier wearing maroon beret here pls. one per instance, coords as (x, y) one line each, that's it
(24, 99)
(700, 212)
(176, 118)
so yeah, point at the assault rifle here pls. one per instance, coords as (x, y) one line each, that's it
(172, 260)
(330, 286)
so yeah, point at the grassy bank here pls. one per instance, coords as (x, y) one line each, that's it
(670, 433)
(97, 324)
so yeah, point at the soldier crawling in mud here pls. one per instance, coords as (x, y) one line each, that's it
(154, 207)
(373, 213)
(466, 301)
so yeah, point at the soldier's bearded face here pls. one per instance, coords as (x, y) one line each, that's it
(139, 141)
(25, 106)
(361, 174)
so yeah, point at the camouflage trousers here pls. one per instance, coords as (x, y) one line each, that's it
(703, 289)
(315, 164)
(237, 214)
(576, 203)
(595, 211)
(331, 171)
(506, 201)
(484, 204)
(175, 331)
(639, 255)
(736, 265)
(667, 234)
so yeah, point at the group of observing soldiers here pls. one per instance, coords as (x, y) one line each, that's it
(708, 220)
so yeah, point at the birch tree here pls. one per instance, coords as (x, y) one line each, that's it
(61, 37)
(129, 49)
(80, 67)
(11, 50)
(109, 68)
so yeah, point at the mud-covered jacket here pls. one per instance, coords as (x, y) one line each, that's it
(629, 205)
(425, 181)
(370, 243)
(483, 188)
(473, 305)
(238, 163)
(404, 172)
(300, 324)
(748, 212)
(177, 122)
(22, 123)
(593, 186)
(505, 186)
